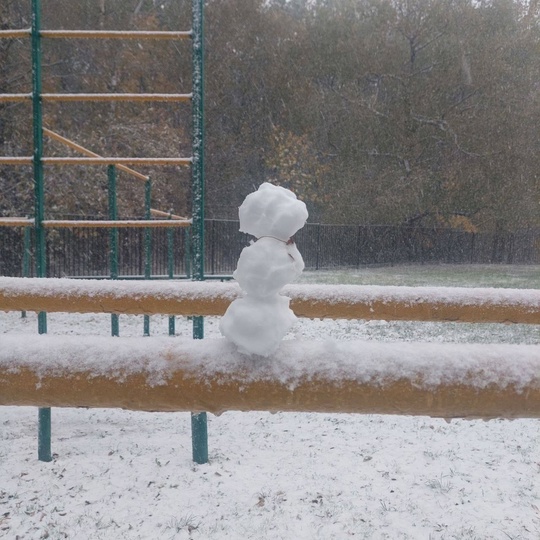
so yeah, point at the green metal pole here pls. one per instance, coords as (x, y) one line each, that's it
(170, 270)
(147, 245)
(113, 240)
(187, 251)
(44, 416)
(26, 257)
(199, 427)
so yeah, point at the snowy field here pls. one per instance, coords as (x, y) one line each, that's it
(120, 474)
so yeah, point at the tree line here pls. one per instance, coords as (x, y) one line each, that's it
(417, 112)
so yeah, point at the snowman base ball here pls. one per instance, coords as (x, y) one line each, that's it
(257, 326)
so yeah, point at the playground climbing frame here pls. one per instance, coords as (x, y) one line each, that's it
(38, 161)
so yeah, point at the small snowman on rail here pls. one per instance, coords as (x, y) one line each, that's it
(257, 322)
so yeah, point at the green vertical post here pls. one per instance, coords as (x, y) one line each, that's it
(147, 245)
(170, 271)
(113, 240)
(199, 428)
(44, 416)
(187, 251)
(26, 257)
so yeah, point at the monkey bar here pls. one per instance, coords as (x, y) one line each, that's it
(163, 374)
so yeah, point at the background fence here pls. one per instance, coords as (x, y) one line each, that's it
(82, 252)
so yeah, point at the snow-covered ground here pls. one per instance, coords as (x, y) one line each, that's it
(120, 474)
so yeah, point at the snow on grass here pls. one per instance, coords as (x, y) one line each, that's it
(120, 474)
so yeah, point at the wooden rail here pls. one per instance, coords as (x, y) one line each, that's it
(160, 213)
(74, 146)
(313, 301)
(8, 98)
(114, 34)
(97, 34)
(113, 224)
(16, 222)
(439, 380)
(115, 161)
(174, 98)
(10, 160)
(15, 33)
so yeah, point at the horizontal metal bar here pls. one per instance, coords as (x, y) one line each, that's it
(85, 151)
(10, 160)
(116, 97)
(114, 34)
(113, 224)
(14, 97)
(115, 161)
(15, 33)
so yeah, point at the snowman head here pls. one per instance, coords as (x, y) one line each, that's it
(272, 211)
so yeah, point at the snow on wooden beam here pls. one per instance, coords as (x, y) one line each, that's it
(16, 222)
(111, 34)
(168, 374)
(16, 160)
(314, 301)
(113, 224)
(110, 161)
(15, 33)
(7, 98)
(89, 153)
(116, 97)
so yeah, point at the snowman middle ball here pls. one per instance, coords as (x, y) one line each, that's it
(268, 265)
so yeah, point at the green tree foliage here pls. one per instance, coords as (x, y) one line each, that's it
(373, 111)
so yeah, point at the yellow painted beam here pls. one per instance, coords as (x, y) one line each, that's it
(314, 301)
(168, 374)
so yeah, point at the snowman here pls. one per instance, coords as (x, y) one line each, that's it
(258, 321)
